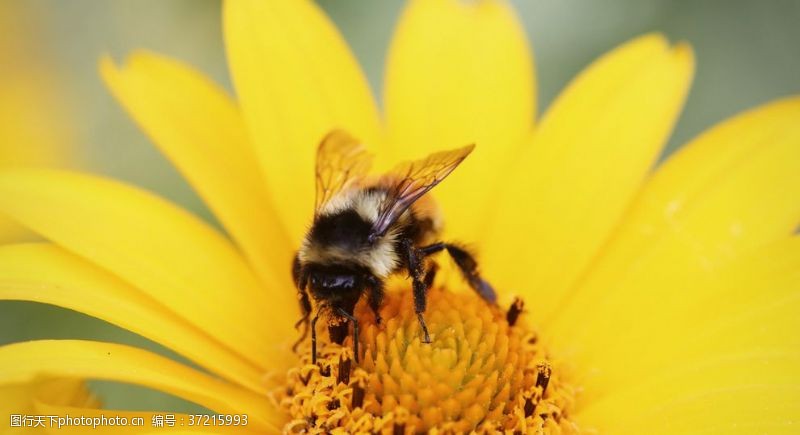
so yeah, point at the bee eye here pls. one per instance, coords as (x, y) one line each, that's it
(337, 281)
(344, 281)
(333, 282)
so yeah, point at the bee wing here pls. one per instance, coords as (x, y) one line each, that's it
(340, 160)
(410, 180)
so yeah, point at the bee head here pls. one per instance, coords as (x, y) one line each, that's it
(337, 285)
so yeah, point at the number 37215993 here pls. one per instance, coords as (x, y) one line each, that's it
(217, 420)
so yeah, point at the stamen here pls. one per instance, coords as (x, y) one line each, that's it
(514, 311)
(358, 395)
(484, 371)
(530, 405)
(543, 376)
(343, 373)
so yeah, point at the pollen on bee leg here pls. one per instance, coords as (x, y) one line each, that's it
(484, 371)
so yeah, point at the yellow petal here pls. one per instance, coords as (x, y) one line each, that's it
(211, 429)
(59, 398)
(11, 231)
(69, 397)
(32, 96)
(460, 73)
(44, 405)
(734, 189)
(20, 362)
(589, 155)
(48, 274)
(217, 430)
(21, 397)
(201, 131)
(164, 251)
(755, 302)
(296, 80)
(744, 393)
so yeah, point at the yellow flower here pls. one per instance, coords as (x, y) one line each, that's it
(31, 98)
(657, 301)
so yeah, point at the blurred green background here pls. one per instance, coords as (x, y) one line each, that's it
(747, 53)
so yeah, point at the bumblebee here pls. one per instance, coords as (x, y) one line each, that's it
(368, 229)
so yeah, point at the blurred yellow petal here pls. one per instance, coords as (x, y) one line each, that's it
(201, 130)
(734, 189)
(57, 397)
(27, 103)
(218, 430)
(60, 398)
(164, 251)
(296, 80)
(48, 274)
(32, 96)
(44, 406)
(21, 397)
(21, 362)
(10, 230)
(460, 73)
(588, 158)
(742, 393)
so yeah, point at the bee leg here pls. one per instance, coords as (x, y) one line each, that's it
(432, 249)
(467, 265)
(352, 319)
(297, 270)
(305, 307)
(304, 334)
(375, 297)
(314, 339)
(427, 337)
(430, 275)
(469, 268)
(301, 280)
(414, 261)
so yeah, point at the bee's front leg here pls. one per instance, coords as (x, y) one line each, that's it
(305, 307)
(414, 263)
(314, 339)
(301, 280)
(354, 321)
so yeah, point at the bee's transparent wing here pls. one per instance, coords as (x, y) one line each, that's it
(410, 180)
(341, 159)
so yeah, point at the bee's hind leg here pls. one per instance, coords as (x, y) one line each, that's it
(467, 265)
(430, 275)
(414, 261)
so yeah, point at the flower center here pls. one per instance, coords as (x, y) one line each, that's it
(485, 370)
